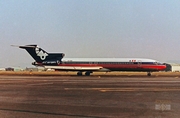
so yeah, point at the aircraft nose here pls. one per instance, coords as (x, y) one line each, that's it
(163, 67)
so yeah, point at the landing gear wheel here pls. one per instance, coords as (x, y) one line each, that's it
(87, 73)
(79, 73)
(149, 74)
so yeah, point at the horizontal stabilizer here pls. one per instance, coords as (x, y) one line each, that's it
(26, 46)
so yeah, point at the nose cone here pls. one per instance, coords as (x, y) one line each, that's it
(162, 67)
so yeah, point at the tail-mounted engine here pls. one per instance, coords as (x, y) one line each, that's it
(56, 62)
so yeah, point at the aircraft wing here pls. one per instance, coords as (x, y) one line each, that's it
(75, 68)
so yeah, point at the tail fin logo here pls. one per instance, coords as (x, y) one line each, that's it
(41, 53)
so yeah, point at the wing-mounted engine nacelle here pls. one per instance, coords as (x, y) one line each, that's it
(54, 62)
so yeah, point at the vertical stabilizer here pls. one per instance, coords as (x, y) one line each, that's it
(37, 53)
(40, 55)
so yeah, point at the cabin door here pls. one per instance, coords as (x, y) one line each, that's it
(139, 63)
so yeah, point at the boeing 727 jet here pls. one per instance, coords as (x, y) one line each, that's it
(57, 61)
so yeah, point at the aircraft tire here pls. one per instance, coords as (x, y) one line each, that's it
(149, 74)
(87, 73)
(79, 73)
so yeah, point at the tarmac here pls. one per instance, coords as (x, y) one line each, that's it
(89, 97)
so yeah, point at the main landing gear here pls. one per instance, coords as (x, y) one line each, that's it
(79, 73)
(88, 73)
(148, 73)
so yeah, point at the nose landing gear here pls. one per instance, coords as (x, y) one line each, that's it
(148, 73)
(79, 73)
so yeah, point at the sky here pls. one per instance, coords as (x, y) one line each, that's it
(90, 28)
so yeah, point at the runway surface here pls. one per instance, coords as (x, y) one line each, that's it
(89, 97)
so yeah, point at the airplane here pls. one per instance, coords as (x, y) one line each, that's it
(57, 61)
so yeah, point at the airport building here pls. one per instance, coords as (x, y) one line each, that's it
(31, 69)
(173, 67)
(2, 69)
(39, 69)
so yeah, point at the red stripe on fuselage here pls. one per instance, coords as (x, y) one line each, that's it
(121, 67)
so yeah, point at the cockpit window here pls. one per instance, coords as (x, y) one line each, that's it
(156, 63)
